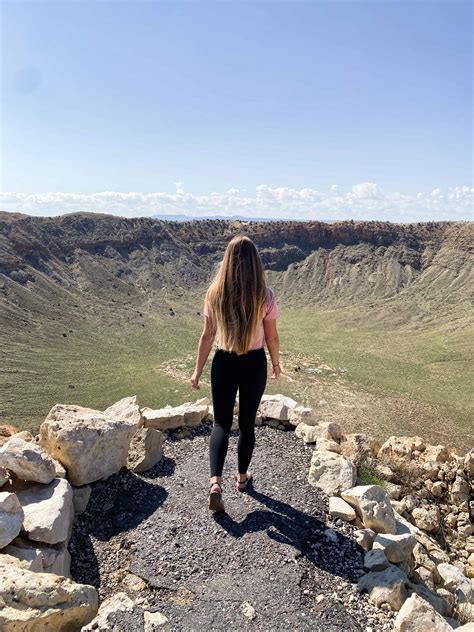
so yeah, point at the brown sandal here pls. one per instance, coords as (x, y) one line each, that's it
(242, 485)
(215, 498)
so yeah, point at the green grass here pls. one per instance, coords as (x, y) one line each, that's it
(395, 381)
(368, 476)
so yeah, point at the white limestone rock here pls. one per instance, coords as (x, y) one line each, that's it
(309, 434)
(397, 548)
(190, 414)
(11, 518)
(427, 518)
(89, 445)
(338, 508)
(35, 602)
(365, 538)
(301, 414)
(119, 602)
(146, 449)
(388, 586)
(416, 615)
(48, 511)
(28, 461)
(372, 505)
(330, 472)
(126, 409)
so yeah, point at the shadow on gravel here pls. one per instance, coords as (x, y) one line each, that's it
(308, 535)
(116, 505)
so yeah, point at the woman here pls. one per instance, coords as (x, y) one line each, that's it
(241, 311)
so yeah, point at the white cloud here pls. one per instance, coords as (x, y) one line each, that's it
(364, 201)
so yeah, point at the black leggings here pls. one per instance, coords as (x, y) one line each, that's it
(229, 372)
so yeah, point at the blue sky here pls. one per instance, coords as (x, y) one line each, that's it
(304, 109)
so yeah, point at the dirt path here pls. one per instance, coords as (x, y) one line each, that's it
(275, 547)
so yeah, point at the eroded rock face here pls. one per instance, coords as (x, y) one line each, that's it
(373, 507)
(48, 511)
(331, 472)
(27, 461)
(418, 615)
(11, 518)
(86, 442)
(37, 602)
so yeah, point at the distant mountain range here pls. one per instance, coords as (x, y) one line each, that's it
(242, 218)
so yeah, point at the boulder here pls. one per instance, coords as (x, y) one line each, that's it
(365, 538)
(416, 615)
(375, 560)
(453, 580)
(372, 505)
(36, 602)
(31, 555)
(11, 517)
(126, 409)
(330, 472)
(427, 518)
(338, 508)
(437, 601)
(28, 461)
(146, 449)
(86, 442)
(275, 409)
(300, 414)
(397, 548)
(388, 586)
(40, 557)
(189, 414)
(309, 434)
(48, 511)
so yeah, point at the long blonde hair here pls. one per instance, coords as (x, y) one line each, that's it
(237, 294)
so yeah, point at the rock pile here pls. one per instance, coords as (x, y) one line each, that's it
(407, 504)
(414, 519)
(44, 484)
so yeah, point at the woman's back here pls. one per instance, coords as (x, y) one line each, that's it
(272, 311)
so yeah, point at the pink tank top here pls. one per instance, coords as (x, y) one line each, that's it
(272, 311)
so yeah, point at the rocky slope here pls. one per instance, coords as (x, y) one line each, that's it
(49, 261)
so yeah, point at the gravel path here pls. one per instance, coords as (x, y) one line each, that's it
(275, 547)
